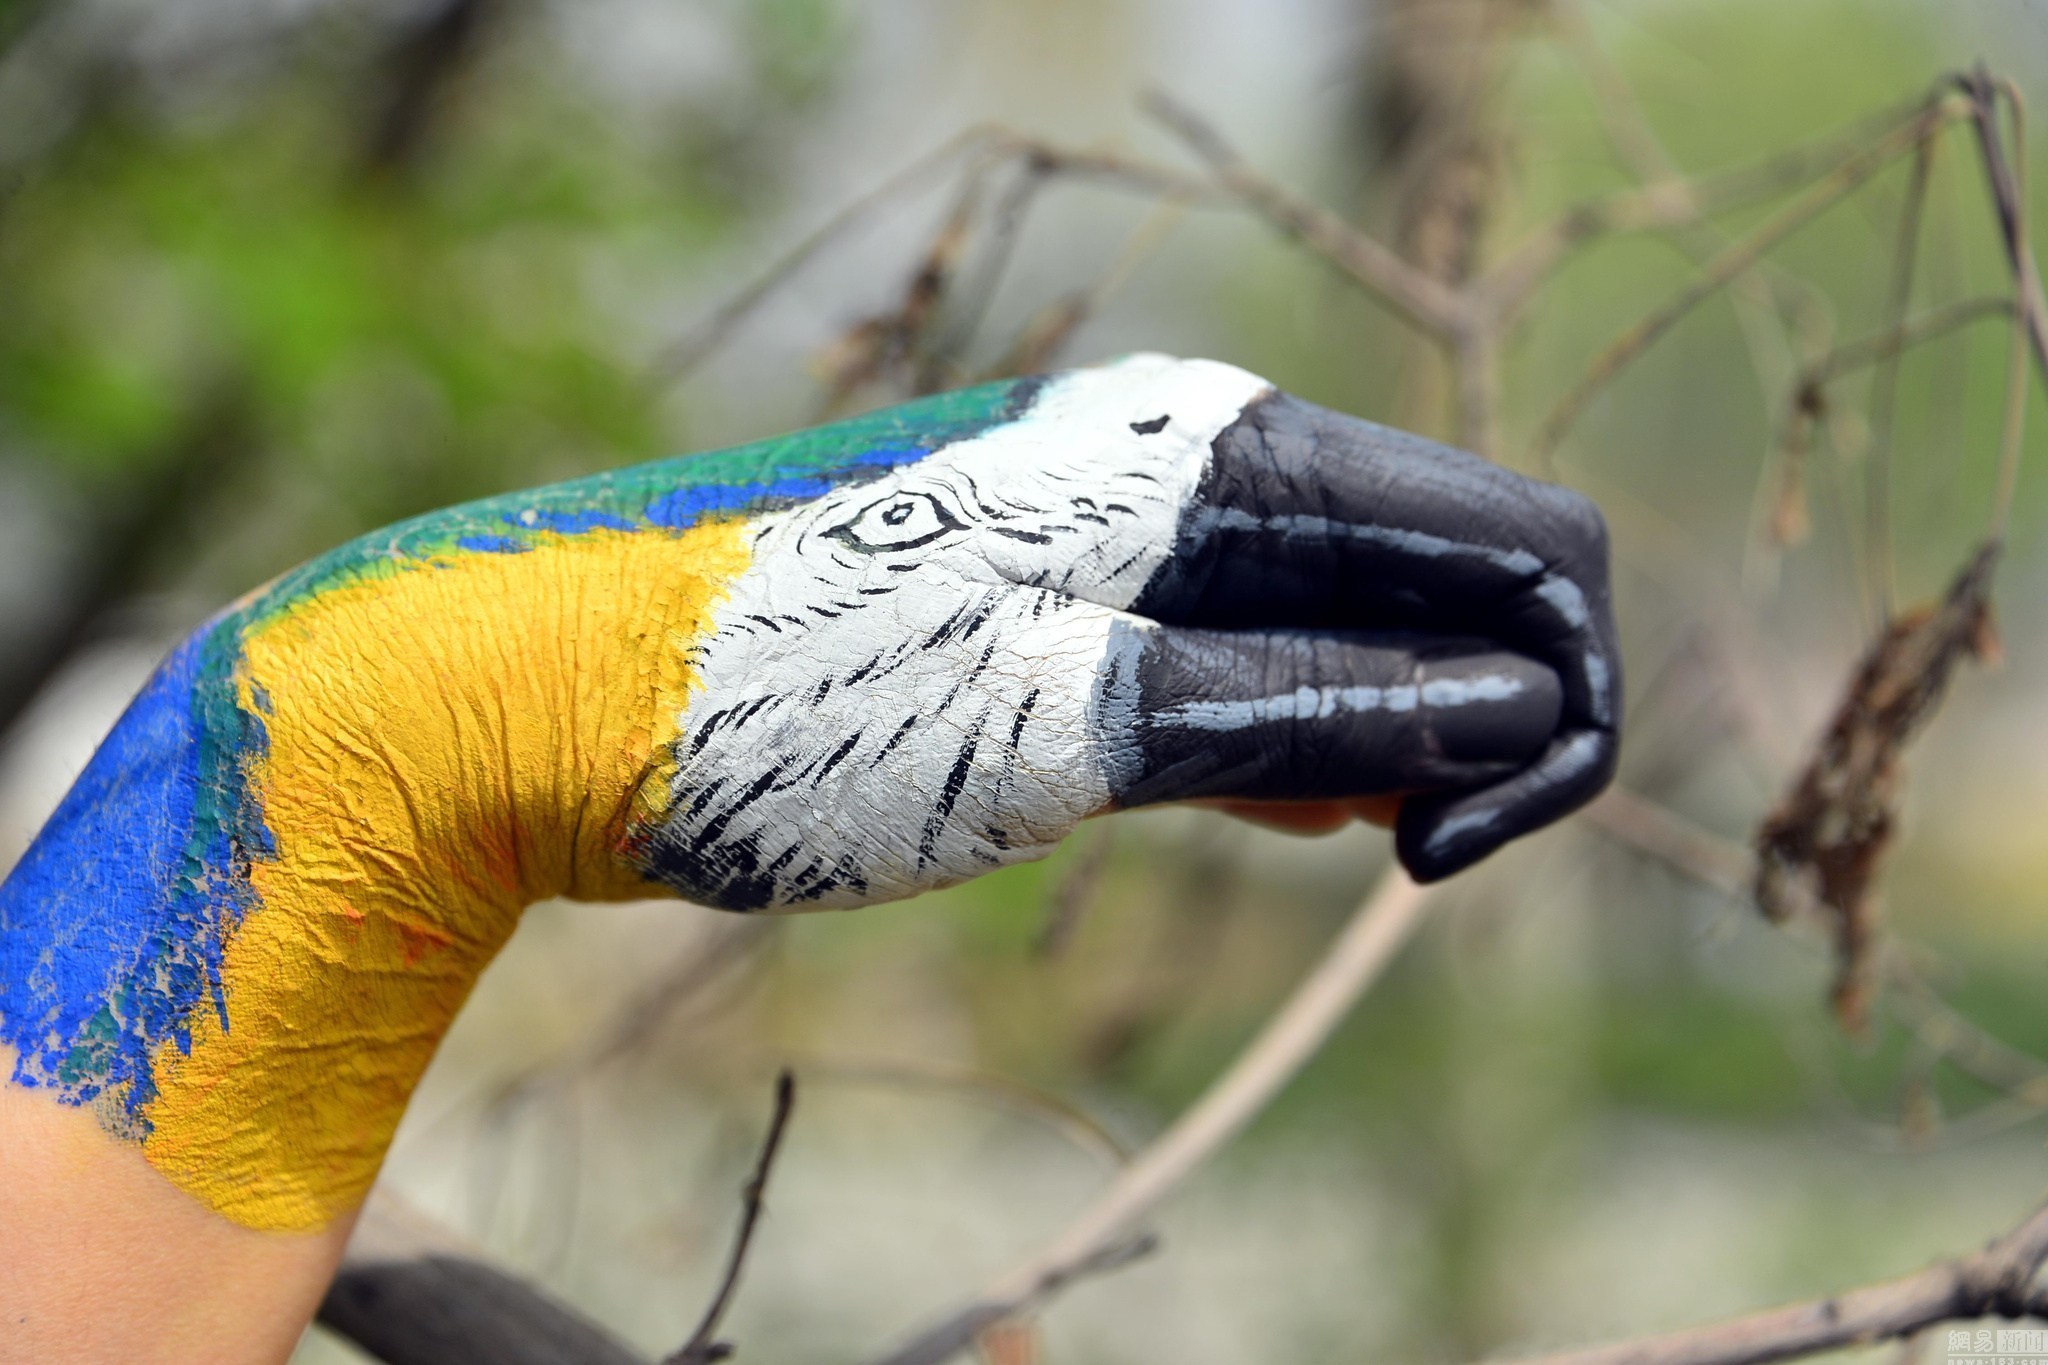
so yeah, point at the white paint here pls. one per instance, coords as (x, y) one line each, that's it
(1047, 527)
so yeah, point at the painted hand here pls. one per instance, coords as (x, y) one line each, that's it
(836, 668)
(1163, 581)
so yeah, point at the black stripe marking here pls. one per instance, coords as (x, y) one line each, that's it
(956, 782)
(1023, 715)
(837, 754)
(902, 732)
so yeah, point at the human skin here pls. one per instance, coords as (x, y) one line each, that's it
(839, 668)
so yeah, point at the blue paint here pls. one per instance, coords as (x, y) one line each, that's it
(492, 545)
(113, 924)
(569, 523)
(683, 507)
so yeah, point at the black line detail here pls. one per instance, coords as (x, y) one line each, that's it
(1023, 715)
(762, 784)
(1153, 427)
(902, 733)
(704, 797)
(956, 782)
(837, 754)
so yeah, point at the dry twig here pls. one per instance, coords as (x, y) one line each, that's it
(1101, 1237)
(1734, 260)
(1998, 1281)
(1434, 307)
(703, 1347)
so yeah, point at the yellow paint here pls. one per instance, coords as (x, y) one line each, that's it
(446, 746)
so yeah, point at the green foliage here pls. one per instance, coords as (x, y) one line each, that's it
(405, 337)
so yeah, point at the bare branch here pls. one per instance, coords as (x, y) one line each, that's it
(2008, 192)
(2008, 203)
(1931, 325)
(1660, 206)
(1041, 161)
(703, 1348)
(1995, 1282)
(1041, 340)
(1737, 258)
(1434, 307)
(1723, 865)
(1101, 1236)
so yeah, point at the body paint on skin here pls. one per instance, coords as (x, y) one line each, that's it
(837, 668)
(242, 932)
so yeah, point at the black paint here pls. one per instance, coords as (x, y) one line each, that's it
(1311, 519)
(1366, 731)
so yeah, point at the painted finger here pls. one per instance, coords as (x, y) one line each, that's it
(1313, 518)
(1295, 715)
(1441, 834)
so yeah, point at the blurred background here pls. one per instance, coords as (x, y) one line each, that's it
(275, 272)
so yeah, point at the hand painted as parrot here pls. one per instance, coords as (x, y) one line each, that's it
(831, 669)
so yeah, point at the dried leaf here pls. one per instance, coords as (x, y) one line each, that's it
(1827, 837)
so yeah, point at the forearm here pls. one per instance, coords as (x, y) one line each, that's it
(102, 1259)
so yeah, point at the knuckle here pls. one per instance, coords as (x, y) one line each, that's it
(1582, 523)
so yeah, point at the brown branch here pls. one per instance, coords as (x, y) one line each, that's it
(894, 344)
(703, 1348)
(1510, 282)
(1754, 294)
(2009, 201)
(1931, 325)
(1982, 89)
(1041, 160)
(1738, 257)
(1101, 1237)
(1428, 304)
(1038, 344)
(1995, 1282)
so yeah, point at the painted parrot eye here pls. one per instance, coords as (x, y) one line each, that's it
(901, 521)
